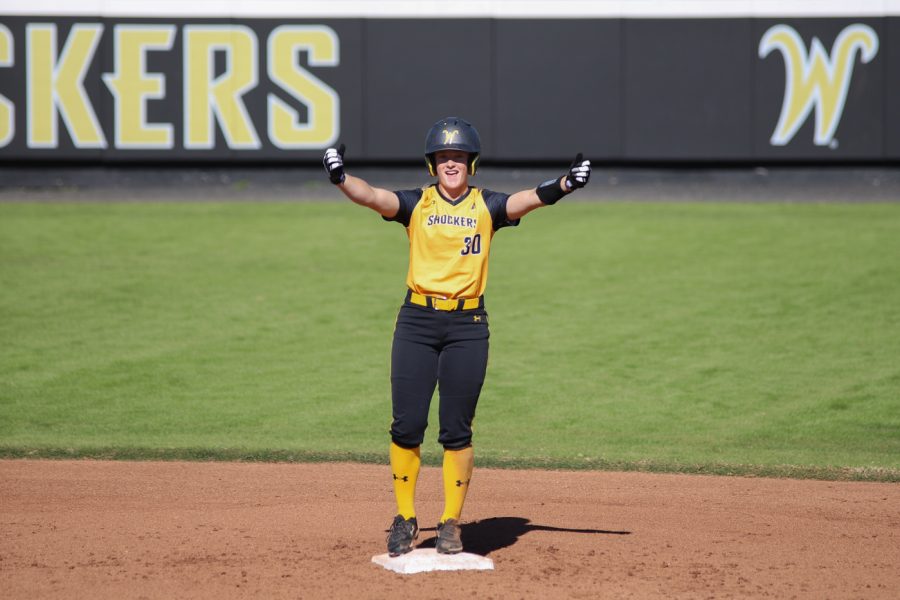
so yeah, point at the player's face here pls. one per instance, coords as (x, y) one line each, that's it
(451, 169)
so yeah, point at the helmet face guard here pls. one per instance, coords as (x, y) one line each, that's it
(452, 133)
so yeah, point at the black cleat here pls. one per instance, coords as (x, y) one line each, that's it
(448, 538)
(401, 536)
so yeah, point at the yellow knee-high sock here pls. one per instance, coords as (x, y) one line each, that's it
(405, 464)
(458, 465)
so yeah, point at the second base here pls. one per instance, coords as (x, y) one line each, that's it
(427, 559)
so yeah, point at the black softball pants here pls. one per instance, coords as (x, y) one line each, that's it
(448, 348)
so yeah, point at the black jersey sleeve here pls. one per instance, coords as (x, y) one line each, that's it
(408, 201)
(496, 203)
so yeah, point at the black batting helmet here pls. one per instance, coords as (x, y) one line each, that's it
(452, 133)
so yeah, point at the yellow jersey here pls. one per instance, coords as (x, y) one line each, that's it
(450, 240)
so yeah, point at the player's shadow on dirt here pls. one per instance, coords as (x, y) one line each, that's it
(490, 535)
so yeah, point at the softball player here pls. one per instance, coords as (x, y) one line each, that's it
(441, 336)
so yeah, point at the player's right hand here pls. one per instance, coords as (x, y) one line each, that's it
(334, 164)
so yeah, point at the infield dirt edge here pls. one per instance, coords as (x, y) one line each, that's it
(200, 454)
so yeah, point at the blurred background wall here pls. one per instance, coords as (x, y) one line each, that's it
(275, 82)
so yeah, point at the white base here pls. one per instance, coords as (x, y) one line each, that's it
(427, 559)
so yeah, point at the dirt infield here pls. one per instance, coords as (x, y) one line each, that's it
(94, 529)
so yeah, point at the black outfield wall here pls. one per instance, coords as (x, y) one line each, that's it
(266, 90)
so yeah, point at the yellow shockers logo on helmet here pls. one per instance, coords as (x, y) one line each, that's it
(815, 79)
(450, 136)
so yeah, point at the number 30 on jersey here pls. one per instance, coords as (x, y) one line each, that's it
(472, 245)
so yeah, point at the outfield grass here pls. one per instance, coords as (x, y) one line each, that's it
(702, 337)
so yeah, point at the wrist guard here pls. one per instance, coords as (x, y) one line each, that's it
(550, 191)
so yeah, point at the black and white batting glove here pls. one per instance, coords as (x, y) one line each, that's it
(579, 173)
(334, 164)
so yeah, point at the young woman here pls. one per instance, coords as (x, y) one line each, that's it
(441, 336)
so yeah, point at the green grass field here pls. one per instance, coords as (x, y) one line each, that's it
(729, 338)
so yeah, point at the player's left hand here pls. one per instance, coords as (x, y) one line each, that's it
(579, 173)
(334, 164)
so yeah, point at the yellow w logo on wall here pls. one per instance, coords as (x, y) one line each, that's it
(816, 79)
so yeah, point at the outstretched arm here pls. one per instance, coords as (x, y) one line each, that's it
(382, 201)
(549, 192)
